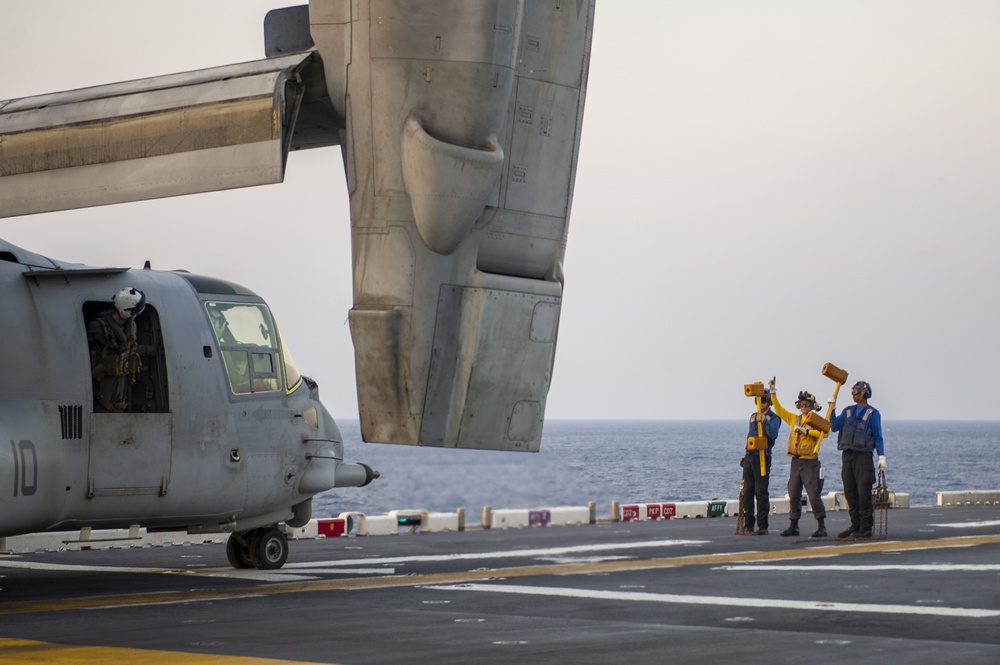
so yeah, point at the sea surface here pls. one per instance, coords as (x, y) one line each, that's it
(633, 461)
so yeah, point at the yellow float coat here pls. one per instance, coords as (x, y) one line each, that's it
(804, 446)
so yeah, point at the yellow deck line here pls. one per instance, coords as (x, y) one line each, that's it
(29, 652)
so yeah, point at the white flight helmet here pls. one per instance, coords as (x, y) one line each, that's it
(129, 302)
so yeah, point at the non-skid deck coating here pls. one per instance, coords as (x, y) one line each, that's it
(683, 591)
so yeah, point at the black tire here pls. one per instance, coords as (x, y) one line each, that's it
(238, 550)
(269, 549)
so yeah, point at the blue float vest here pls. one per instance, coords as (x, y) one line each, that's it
(855, 435)
(752, 432)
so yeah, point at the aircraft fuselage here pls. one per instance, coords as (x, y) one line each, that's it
(200, 446)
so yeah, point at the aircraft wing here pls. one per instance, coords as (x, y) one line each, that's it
(460, 125)
(463, 130)
(187, 133)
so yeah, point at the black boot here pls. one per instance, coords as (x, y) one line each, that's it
(820, 532)
(792, 530)
(848, 533)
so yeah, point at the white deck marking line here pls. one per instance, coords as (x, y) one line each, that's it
(297, 575)
(636, 596)
(263, 576)
(341, 571)
(328, 567)
(504, 554)
(928, 568)
(966, 525)
(359, 583)
(564, 560)
(37, 565)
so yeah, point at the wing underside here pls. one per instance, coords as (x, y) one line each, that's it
(187, 133)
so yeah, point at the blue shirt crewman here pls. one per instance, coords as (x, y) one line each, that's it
(860, 428)
(755, 484)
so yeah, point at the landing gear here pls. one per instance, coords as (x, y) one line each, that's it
(238, 551)
(264, 549)
(270, 549)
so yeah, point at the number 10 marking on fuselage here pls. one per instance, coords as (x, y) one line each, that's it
(21, 464)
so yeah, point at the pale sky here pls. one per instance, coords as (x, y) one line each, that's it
(763, 187)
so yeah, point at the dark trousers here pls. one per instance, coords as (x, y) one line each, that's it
(805, 473)
(858, 474)
(755, 486)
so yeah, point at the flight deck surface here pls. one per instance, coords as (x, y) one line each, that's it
(683, 590)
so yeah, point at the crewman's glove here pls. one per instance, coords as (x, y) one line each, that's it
(770, 385)
(801, 430)
(881, 462)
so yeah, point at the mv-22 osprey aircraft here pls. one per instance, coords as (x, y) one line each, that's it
(459, 122)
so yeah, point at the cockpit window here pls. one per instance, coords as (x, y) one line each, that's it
(292, 376)
(250, 345)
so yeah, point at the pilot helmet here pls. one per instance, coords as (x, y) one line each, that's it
(129, 302)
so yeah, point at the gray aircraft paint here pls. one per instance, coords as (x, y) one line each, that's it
(460, 127)
(459, 123)
(192, 455)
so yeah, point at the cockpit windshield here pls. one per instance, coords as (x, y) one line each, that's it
(292, 376)
(252, 350)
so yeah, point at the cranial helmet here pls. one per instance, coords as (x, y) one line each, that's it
(129, 302)
(809, 398)
(862, 387)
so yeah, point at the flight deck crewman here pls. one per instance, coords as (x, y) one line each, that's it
(114, 353)
(805, 470)
(755, 485)
(860, 428)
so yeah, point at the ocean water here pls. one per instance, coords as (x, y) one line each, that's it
(645, 461)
